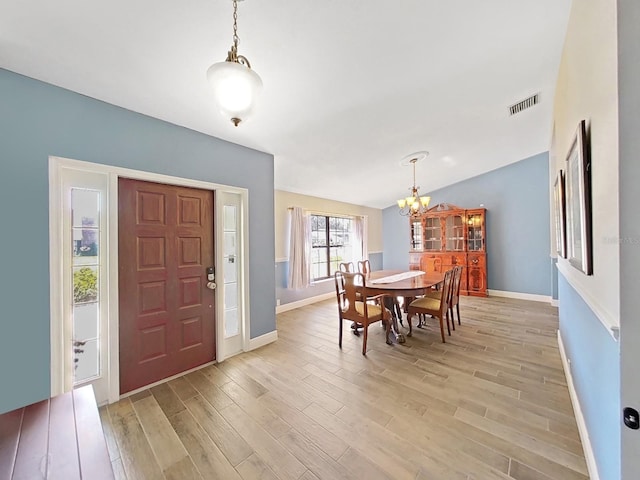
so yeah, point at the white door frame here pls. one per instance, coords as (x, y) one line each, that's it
(59, 374)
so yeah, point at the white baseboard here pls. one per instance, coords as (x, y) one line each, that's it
(305, 301)
(555, 302)
(592, 466)
(520, 296)
(263, 340)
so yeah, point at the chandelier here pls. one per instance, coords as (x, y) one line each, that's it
(235, 85)
(414, 204)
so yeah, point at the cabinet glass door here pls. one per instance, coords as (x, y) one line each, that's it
(454, 233)
(474, 232)
(432, 234)
(416, 235)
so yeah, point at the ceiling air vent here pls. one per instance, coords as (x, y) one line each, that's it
(524, 104)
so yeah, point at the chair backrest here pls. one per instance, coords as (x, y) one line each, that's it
(364, 267)
(455, 287)
(348, 286)
(447, 289)
(346, 267)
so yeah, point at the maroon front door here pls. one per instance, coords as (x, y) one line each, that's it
(167, 313)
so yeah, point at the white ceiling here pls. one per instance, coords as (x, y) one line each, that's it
(350, 87)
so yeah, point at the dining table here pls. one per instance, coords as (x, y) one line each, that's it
(400, 283)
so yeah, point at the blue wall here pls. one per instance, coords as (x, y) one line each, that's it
(286, 295)
(517, 201)
(38, 120)
(595, 367)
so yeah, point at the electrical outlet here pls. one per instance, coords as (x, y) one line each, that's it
(277, 302)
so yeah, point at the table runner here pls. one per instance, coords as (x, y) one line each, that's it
(397, 277)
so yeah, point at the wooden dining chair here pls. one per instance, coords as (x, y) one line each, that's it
(348, 286)
(346, 267)
(434, 305)
(454, 296)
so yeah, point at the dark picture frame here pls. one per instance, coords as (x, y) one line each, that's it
(578, 203)
(559, 208)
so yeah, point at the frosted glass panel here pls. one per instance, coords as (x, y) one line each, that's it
(85, 321)
(85, 208)
(230, 295)
(86, 360)
(231, 325)
(229, 243)
(230, 218)
(230, 270)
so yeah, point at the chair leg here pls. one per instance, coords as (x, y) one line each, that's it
(457, 310)
(442, 329)
(453, 323)
(364, 340)
(410, 326)
(446, 317)
(340, 334)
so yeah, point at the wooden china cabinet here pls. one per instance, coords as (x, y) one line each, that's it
(446, 236)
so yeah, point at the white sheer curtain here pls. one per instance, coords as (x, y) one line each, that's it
(299, 241)
(360, 239)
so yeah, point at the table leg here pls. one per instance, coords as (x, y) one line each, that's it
(390, 304)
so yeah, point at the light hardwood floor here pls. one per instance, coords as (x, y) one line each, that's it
(491, 403)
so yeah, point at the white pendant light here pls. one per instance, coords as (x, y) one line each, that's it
(235, 86)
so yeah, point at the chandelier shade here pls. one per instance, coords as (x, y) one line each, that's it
(236, 86)
(414, 204)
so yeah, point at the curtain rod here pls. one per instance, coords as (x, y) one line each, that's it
(331, 214)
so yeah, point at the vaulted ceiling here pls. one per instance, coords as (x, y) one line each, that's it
(350, 87)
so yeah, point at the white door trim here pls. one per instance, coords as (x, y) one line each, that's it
(56, 166)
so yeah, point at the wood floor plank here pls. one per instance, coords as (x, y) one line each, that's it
(163, 439)
(135, 452)
(394, 466)
(207, 457)
(328, 442)
(109, 435)
(182, 388)
(280, 460)
(253, 468)
(573, 461)
(234, 447)
(169, 402)
(272, 423)
(183, 470)
(361, 467)
(210, 392)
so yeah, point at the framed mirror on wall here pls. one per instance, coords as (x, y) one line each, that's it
(559, 208)
(578, 203)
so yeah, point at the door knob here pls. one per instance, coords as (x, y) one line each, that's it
(211, 285)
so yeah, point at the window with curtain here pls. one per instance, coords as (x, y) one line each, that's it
(332, 242)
